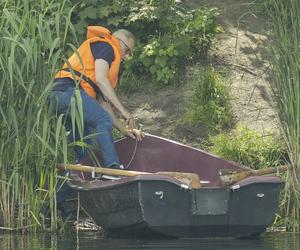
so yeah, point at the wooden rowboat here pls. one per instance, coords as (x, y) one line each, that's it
(161, 205)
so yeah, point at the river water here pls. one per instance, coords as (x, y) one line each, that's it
(92, 240)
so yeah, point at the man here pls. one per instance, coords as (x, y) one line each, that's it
(96, 65)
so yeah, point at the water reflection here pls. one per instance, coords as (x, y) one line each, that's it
(88, 241)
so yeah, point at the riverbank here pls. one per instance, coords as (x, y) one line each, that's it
(241, 50)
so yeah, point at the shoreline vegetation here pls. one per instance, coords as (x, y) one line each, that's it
(33, 37)
(37, 36)
(285, 20)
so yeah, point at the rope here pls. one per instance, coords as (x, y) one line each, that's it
(133, 155)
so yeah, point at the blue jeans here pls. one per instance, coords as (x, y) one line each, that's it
(95, 118)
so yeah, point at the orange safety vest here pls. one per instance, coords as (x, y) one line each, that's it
(83, 60)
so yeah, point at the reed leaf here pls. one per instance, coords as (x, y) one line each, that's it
(285, 48)
(32, 139)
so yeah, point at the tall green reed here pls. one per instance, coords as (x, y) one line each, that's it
(33, 36)
(285, 19)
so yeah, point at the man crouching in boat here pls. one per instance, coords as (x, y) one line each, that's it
(96, 65)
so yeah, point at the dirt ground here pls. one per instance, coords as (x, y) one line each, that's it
(242, 50)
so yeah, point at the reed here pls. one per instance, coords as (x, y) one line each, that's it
(33, 36)
(285, 20)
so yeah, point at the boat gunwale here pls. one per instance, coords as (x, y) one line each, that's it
(89, 185)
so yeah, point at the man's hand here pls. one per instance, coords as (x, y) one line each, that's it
(130, 121)
(135, 134)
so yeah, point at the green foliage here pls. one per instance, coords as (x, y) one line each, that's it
(169, 34)
(208, 105)
(285, 21)
(160, 58)
(32, 140)
(249, 148)
(201, 28)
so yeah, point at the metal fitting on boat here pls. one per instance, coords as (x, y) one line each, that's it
(160, 194)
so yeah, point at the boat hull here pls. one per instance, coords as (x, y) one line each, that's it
(159, 208)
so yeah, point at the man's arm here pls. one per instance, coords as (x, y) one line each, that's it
(102, 81)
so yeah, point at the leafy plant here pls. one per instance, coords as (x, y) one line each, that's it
(169, 34)
(249, 148)
(208, 104)
(201, 27)
(160, 60)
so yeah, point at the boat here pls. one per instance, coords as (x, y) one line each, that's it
(158, 205)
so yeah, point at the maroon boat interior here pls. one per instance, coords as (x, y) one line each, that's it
(156, 154)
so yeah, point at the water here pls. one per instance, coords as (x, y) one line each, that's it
(89, 241)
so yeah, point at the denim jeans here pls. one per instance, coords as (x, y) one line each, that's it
(95, 118)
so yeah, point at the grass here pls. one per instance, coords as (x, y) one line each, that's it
(285, 19)
(208, 103)
(33, 36)
(249, 148)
